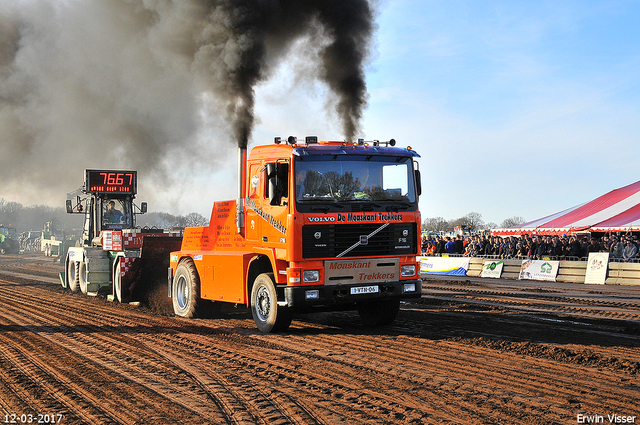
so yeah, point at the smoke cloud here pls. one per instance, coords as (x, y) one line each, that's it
(124, 83)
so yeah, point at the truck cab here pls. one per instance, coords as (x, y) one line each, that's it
(317, 225)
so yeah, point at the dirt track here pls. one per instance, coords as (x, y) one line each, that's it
(467, 353)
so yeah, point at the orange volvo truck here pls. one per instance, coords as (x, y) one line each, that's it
(317, 226)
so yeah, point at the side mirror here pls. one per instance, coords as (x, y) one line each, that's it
(69, 207)
(143, 208)
(418, 182)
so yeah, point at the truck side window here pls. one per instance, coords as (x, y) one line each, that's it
(281, 171)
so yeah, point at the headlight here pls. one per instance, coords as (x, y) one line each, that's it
(408, 270)
(409, 287)
(312, 295)
(310, 276)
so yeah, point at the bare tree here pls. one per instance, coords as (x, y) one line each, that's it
(512, 221)
(436, 224)
(490, 225)
(195, 219)
(473, 221)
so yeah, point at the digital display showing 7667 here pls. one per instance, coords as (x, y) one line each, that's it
(111, 181)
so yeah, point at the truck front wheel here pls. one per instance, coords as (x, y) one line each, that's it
(186, 290)
(269, 317)
(378, 313)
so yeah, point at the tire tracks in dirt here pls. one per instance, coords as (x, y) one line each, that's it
(433, 366)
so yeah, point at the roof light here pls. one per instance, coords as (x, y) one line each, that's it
(392, 142)
(361, 142)
(311, 140)
(277, 140)
(292, 140)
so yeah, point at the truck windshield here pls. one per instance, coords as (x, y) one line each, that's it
(354, 179)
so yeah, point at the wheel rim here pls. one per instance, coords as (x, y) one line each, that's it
(182, 292)
(263, 303)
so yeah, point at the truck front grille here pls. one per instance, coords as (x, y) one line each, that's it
(358, 240)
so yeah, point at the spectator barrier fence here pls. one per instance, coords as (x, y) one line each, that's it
(571, 270)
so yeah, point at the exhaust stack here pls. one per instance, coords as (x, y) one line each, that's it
(242, 171)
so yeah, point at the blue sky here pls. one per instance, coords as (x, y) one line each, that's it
(517, 108)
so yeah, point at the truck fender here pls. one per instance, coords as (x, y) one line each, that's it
(276, 265)
(257, 265)
(170, 276)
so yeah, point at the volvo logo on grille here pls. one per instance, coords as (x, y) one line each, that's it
(405, 232)
(364, 240)
(317, 235)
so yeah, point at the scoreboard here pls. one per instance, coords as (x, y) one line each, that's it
(111, 181)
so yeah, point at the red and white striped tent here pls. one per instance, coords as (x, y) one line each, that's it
(618, 210)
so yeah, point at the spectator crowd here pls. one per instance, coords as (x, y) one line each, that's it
(621, 247)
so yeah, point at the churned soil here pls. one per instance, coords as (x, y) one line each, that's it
(468, 352)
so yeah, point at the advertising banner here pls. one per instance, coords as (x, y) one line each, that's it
(597, 268)
(444, 265)
(539, 270)
(492, 268)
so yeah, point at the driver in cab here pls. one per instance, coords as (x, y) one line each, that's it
(112, 215)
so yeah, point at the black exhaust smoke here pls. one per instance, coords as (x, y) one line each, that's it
(122, 81)
(243, 36)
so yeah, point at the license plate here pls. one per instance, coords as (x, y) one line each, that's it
(364, 290)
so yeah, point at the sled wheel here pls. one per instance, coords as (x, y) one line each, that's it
(74, 283)
(186, 290)
(121, 294)
(269, 317)
(378, 313)
(82, 277)
(72, 275)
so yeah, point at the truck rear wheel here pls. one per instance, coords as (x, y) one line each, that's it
(379, 313)
(269, 317)
(186, 290)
